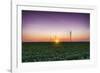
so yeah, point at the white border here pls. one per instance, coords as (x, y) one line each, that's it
(18, 66)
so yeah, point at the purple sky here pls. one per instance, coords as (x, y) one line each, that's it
(39, 24)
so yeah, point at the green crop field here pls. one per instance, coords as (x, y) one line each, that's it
(50, 51)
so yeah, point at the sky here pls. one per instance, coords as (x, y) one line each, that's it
(48, 26)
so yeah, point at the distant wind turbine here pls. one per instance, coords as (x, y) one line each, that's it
(70, 34)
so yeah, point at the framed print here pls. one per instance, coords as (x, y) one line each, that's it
(47, 37)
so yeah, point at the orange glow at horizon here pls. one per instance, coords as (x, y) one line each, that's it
(57, 39)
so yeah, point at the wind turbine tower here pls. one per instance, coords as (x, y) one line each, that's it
(70, 34)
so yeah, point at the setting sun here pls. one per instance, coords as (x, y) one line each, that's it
(56, 41)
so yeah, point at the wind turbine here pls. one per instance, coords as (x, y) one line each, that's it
(70, 34)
